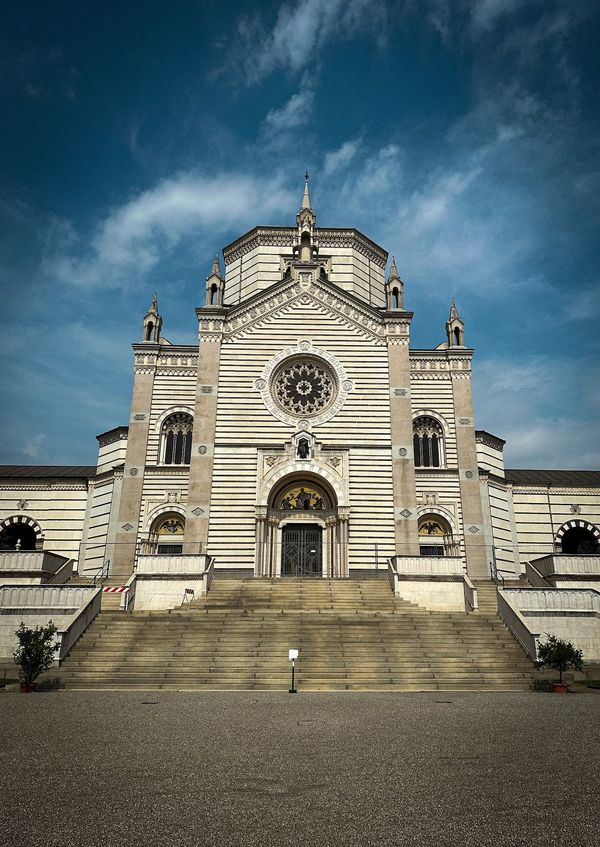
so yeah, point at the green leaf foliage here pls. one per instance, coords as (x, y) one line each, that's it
(35, 653)
(559, 655)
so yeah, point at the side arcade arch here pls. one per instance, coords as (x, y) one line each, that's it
(578, 537)
(21, 532)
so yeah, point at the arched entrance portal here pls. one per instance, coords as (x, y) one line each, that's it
(302, 533)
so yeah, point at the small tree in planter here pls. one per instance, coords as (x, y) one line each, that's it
(35, 653)
(560, 656)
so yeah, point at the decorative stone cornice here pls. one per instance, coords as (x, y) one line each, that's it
(276, 236)
(210, 325)
(286, 237)
(118, 434)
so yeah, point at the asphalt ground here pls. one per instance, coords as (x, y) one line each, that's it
(216, 768)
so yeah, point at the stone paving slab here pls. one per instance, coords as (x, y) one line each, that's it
(246, 768)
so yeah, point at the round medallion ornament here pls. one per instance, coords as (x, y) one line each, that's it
(304, 388)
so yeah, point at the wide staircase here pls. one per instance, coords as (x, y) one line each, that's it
(351, 635)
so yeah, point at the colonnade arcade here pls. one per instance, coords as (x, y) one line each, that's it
(302, 530)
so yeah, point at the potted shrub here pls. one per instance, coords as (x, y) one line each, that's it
(560, 656)
(35, 653)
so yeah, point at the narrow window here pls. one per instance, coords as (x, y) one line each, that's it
(395, 299)
(169, 448)
(457, 336)
(176, 439)
(428, 442)
(149, 329)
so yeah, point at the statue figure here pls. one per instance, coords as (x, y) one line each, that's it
(303, 449)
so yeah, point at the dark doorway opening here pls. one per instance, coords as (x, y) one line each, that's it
(579, 540)
(302, 550)
(17, 532)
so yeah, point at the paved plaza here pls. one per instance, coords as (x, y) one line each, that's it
(168, 768)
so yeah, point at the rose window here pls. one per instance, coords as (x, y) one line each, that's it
(304, 388)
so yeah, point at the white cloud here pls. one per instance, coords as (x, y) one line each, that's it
(34, 446)
(485, 14)
(301, 31)
(295, 113)
(338, 160)
(129, 242)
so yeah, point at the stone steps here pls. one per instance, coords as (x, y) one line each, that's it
(352, 635)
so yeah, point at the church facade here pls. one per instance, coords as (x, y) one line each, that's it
(302, 436)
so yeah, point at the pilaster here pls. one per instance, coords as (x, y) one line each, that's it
(146, 357)
(210, 332)
(466, 447)
(397, 326)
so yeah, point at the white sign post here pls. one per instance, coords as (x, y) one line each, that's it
(293, 655)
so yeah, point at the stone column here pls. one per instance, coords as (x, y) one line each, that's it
(261, 535)
(122, 561)
(403, 462)
(466, 448)
(210, 320)
(344, 565)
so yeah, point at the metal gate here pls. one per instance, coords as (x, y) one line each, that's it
(302, 550)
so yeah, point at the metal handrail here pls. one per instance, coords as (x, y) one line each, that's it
(101, 573)
(496, 575)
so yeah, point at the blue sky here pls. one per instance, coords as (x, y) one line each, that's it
(141, 138)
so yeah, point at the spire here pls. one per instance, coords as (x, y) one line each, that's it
(306, 198)
(306, 249)
(394, 288)
(152, 322)
(215, 284)
(455, 327)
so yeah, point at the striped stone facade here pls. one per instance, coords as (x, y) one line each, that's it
(301, 295)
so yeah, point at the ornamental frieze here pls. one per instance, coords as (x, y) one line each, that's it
(359, 318)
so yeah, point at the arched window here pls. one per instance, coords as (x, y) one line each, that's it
(149, 329)
(395, 299)
(428, 442)
(176, 439)
(457, 337)
(435, 536)
(166, 536)
(213, 295)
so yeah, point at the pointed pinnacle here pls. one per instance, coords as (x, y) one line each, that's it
(393, 269)
(453, 310)
(154, 304)
(306, 197)
(216, 266)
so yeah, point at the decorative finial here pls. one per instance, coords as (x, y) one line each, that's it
(453, 310)
(306, 198)
(216, 266)
(154, 304)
